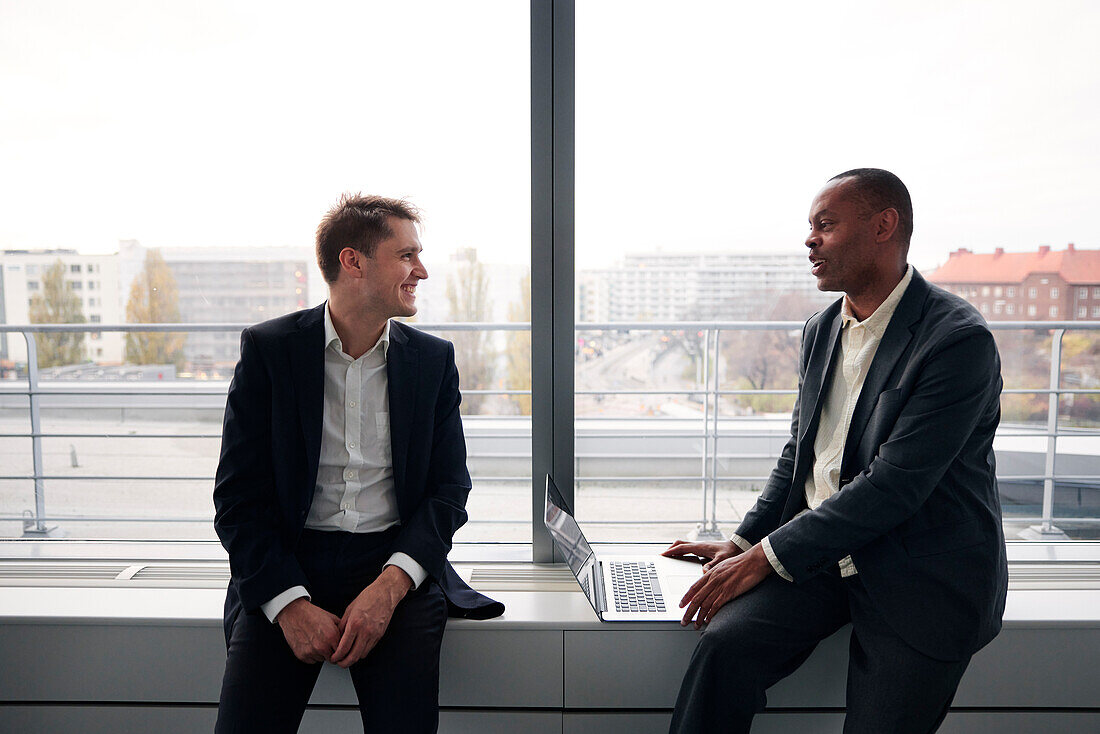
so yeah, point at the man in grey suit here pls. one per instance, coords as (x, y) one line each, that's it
(882, 510)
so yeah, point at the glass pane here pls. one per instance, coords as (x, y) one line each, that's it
(704, 131)
(171, 162)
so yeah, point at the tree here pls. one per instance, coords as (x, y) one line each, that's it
(766, 360)
(519, 348)
(154, 299)
(57, 304)
(468, 300)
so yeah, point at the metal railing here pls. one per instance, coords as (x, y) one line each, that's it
(711, 428)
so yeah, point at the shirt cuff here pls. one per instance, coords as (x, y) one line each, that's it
(406, 563)
(272, 608)
(741, 542)
(774, 560)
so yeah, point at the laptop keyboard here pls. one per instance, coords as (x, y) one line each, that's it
(635, 587)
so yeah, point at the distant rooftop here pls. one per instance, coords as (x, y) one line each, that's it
(1076, 267)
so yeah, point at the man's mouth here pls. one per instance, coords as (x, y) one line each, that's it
(816, 263)
(410, 289)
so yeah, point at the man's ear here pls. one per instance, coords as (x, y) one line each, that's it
(887, 225)
(351, 262)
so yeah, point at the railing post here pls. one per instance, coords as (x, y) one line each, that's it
(1047, 530)
(712, 531)
(700, 529)
(707, 529)
(36, 526)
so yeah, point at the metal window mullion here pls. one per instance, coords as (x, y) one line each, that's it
(552, 258)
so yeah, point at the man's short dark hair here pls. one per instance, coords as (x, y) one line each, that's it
(875, 189)
(359, 222)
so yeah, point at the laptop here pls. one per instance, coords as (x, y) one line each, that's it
(620, 588)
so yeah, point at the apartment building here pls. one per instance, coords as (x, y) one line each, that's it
(93, 278)
(226, 285)
(1044, 285)
(688, 286)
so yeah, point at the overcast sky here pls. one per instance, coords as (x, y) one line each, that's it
(699, 125)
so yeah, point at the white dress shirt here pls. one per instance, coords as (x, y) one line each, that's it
(354, 490)
(859, 342)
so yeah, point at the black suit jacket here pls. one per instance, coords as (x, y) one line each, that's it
(918, 510)
(271, 444)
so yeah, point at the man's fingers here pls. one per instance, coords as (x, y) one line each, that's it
(347, 641)
(676, 549)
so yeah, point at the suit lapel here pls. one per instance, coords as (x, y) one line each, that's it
(307, 365)
(402, 371)
(814, 384)
(817, 380)
(895, 341)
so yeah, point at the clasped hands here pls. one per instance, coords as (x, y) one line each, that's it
(728, 573)
(315, 635)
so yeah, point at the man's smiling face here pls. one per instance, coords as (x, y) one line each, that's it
(390, 277)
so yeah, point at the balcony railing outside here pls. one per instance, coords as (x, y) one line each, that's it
(711, 428)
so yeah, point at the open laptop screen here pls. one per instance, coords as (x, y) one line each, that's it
(564, 529)
(569, 539)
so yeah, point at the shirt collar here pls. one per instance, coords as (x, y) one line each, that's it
(333, 339)
(877, 322)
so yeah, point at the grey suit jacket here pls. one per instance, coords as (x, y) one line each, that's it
(918, 510)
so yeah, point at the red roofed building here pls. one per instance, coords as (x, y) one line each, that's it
(1046, 285)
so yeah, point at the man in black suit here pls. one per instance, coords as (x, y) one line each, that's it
(883, 508)
(341, 482)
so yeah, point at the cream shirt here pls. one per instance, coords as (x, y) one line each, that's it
(354, 490)
(859, 342)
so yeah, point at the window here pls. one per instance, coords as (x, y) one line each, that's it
(1096, 293)
(1032, 310)
(998, 307)
(1010, 308)
(1082, 293)
(1053, 312)
(1053, 292)
(707, 91)
(1096, 312)
(998, 291)
(1032, 292)
(171, 72)
(633, 96)
(32, 285)
(1082, 312)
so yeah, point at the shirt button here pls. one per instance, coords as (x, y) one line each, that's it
(352, 403)
(349, 474)
(345, 506)
(351, 445)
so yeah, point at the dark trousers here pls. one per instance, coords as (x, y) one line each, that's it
(265, 688)
(762, 637)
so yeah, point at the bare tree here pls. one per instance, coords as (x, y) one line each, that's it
(468, 300)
